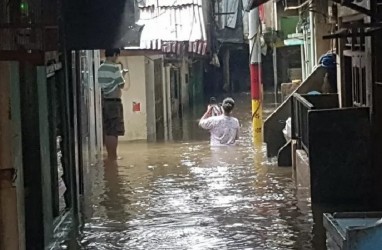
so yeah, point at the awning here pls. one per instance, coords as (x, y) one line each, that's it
(172, 27)
(255, 3)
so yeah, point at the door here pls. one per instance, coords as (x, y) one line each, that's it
(159, 116)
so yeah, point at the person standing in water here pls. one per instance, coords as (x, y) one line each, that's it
(111, 80)
(224, 129)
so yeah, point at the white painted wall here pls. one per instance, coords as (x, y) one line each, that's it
(140, 79)
(135, 122)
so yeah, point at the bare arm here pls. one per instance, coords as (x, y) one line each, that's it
(208, 113)
(204, 121)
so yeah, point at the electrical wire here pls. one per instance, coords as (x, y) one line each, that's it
(308, 2)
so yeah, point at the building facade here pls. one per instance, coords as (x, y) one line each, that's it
(50, 129)
(166, 74)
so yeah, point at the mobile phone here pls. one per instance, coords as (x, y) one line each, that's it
(213, 101)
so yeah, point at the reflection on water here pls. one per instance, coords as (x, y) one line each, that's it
(183, 195)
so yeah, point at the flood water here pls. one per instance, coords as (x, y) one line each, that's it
(184, 195)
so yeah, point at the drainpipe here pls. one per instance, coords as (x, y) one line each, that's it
(275, 75)
(255, 71)
(312, 41)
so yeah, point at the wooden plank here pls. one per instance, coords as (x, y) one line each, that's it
(17, 150)
(9, 231)
(5, 125)
(34, 57)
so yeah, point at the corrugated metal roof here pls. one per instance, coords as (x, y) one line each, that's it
(167, 3)
(171, 22)
(227, 20)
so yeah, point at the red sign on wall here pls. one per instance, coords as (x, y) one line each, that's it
(136, 107)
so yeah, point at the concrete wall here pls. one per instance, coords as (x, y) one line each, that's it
(150, 99)
(140, 88)
(135, 122)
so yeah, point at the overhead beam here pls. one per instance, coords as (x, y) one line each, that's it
(254, 4)
(355, 7)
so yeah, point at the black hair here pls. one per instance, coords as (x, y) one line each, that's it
(112, 52)
(228, 105)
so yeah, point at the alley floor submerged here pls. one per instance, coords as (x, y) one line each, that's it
(185, 195)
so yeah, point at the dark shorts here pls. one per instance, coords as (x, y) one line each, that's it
(113, 124)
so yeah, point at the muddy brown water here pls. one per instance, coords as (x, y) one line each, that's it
(184, 195)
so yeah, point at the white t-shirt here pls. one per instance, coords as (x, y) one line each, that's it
(224, 129)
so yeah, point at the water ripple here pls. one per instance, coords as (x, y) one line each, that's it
(183, 195)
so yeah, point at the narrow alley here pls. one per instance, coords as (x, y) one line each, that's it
(117, 131)
(185, 195)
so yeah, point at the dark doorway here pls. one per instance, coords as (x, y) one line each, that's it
(158, 81)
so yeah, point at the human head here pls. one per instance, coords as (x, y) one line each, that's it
(112, 54)
(228, 105)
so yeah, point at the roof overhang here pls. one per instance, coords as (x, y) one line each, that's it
(255, 3)
(100, 24)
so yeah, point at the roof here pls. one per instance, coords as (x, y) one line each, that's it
(167, 3)
(254, 4)
(172, 23)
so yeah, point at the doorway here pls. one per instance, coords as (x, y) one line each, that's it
(158, 82)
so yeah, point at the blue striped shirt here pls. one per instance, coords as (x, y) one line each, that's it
(111, 80)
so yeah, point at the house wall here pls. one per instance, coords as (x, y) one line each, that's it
(150, 96)
(140, 81)
(150, 99)
(321, 28)
(135, 122)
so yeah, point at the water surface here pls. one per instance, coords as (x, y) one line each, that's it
(185, 195)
